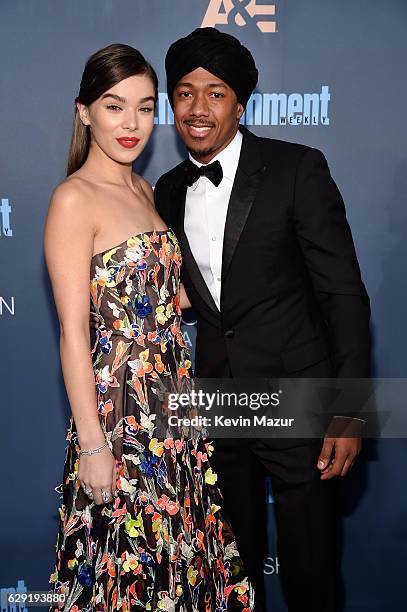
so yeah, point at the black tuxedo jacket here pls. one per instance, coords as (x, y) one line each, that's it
(292, 300)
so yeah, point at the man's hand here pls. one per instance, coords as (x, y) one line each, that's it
(337, 456)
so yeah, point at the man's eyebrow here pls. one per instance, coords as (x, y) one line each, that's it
(217, 85)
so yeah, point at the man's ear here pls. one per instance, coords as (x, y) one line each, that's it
(240, 110)
(83, 113)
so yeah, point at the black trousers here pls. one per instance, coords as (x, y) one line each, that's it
(306, 518)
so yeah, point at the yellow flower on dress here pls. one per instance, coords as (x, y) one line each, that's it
(130, 564)
(209, 448)
(156, 447)
(210, 477)
(131, 525)
(191, 575)
(241, 588)
(159, 315)
(107, 256)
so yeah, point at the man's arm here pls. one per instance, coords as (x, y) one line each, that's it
(326, 242)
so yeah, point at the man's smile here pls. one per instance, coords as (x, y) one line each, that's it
(198, 130)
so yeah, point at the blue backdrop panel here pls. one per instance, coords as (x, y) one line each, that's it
(331, 76)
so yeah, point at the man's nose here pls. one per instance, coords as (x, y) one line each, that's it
(199, 106)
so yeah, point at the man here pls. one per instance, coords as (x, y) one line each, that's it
(270, 269)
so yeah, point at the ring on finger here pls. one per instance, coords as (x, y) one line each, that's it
(85, 489)
(89, 492)
(106, 496)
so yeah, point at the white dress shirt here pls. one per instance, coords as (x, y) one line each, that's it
(205, 216)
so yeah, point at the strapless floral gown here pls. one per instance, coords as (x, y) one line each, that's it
(163, 542)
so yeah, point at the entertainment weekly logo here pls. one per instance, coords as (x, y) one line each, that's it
(19, 590)
(242, 13)
(308, 109)
(5, 210)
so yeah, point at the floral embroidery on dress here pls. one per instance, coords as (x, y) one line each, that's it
(163, 542)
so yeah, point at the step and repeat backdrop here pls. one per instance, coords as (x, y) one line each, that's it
(332, 75)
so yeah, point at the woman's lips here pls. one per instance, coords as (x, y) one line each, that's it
(198, 131)
(128, 143)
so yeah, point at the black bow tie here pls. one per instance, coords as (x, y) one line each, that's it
(213, 171)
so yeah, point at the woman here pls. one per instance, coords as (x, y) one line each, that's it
(141, 525)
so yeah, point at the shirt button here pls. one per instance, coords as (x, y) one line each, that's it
(229, 333)
(219, 278)
(213, 238)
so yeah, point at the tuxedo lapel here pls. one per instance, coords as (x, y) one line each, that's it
(245, 187)
(188, 260)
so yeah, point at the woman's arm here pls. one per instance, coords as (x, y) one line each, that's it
(68, 243)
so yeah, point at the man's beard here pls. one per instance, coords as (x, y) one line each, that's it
(202, 152)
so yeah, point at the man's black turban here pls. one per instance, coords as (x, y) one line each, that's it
(220, 54)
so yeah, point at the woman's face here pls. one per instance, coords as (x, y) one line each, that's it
(122, 119)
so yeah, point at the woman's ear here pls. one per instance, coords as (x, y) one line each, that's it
(83, 113)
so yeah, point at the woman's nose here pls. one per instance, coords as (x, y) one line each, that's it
(130, 121)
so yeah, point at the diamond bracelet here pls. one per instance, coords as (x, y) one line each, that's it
(93, 451)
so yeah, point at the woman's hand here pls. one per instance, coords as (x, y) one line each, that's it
(97, 475)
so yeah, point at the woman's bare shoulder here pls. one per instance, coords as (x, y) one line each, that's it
(72, 190)
(73, 196)
(72, 208)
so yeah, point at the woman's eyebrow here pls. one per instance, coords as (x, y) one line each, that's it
(147, 99)
(124, 101)
(115, 97)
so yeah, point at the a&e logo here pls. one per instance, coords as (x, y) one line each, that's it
(241, 12)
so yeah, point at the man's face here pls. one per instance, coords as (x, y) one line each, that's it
(206, 113)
